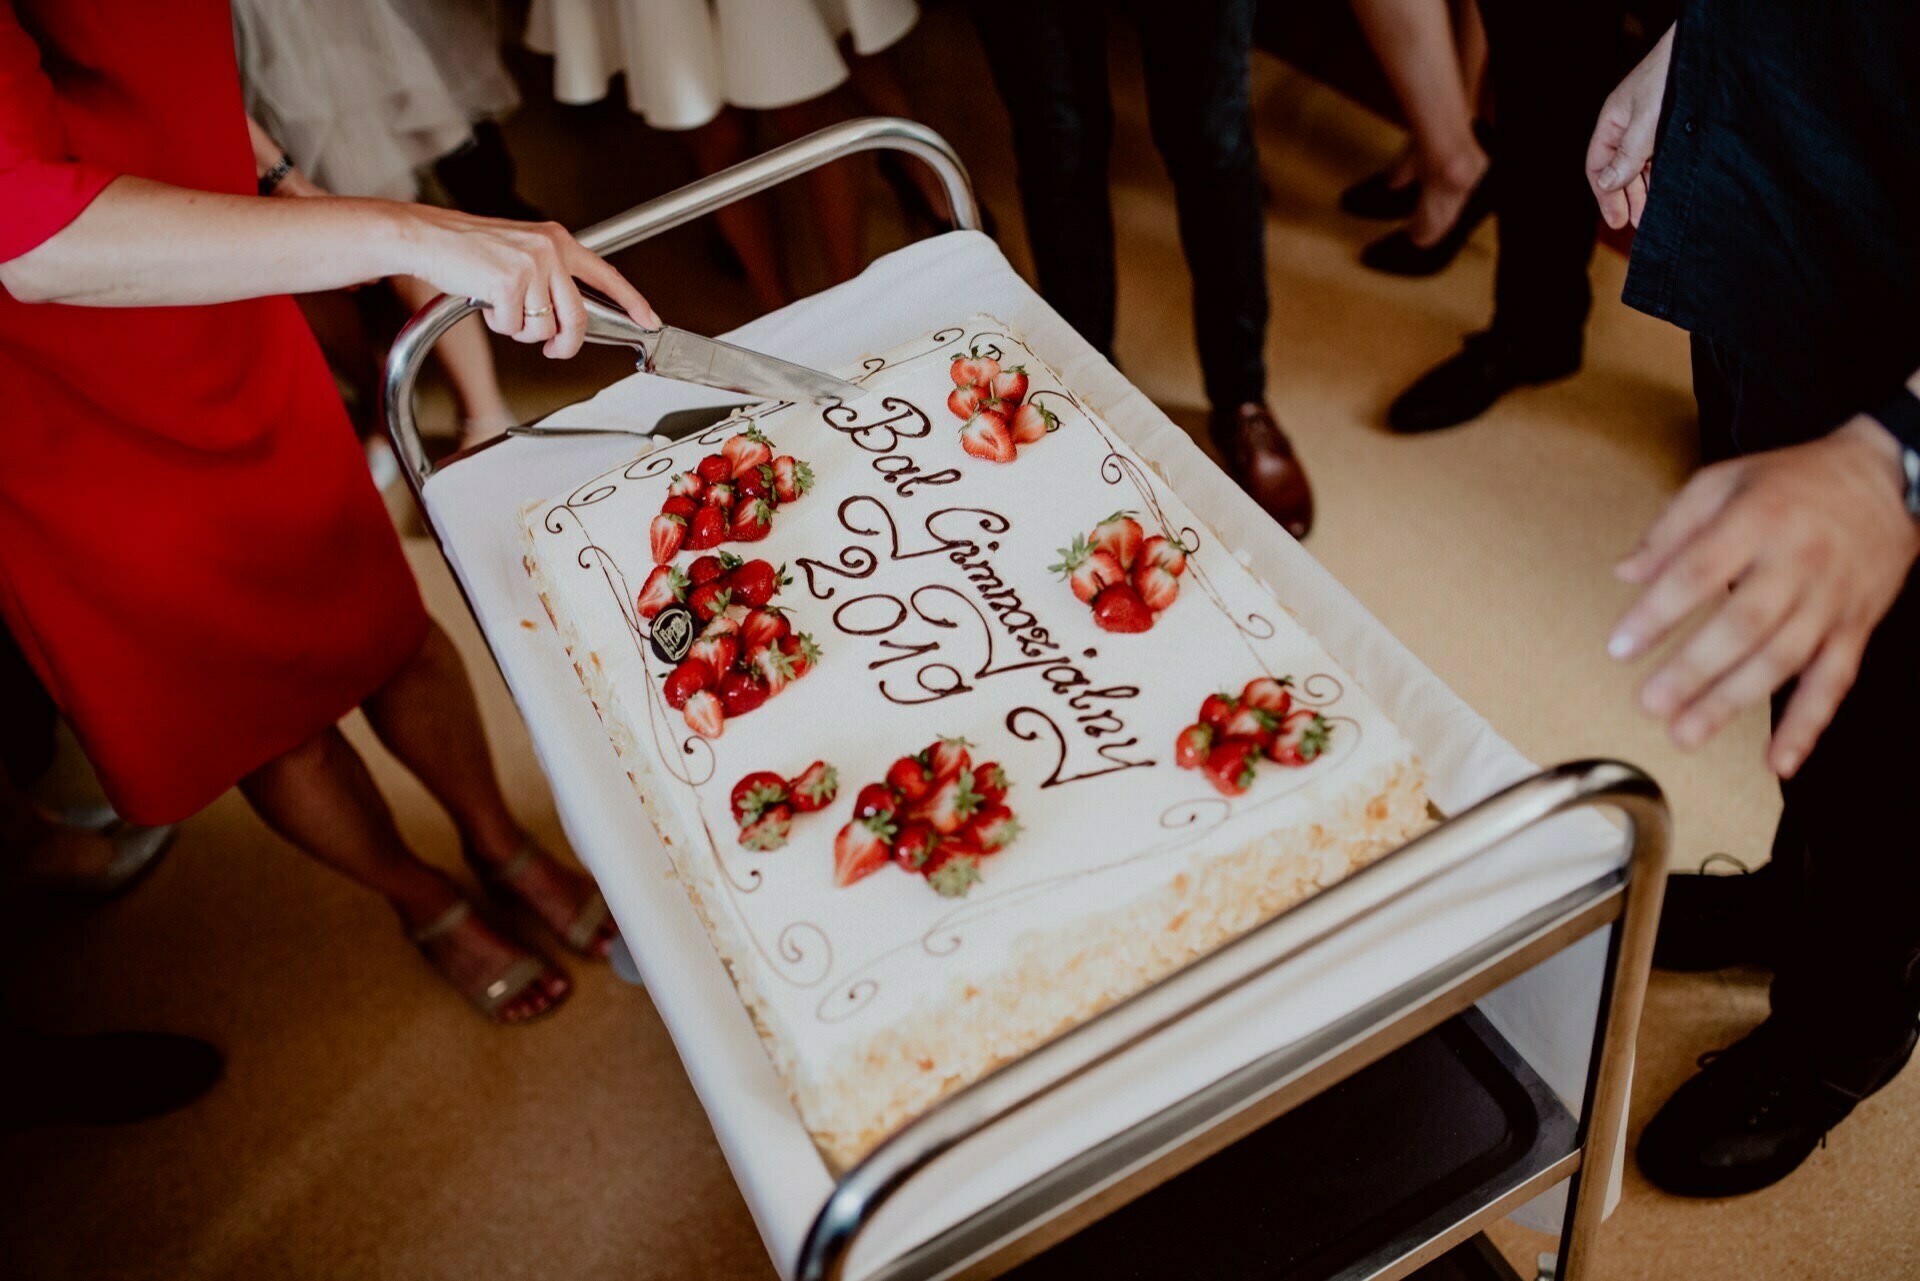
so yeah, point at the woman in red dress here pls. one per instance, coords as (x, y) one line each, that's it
(192, 554)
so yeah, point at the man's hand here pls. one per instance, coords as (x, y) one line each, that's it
(1817, 543)
(1620, 156)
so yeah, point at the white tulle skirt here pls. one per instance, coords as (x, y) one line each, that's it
(363, 93)
(686, 59)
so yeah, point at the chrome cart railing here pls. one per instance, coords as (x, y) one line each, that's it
(1586, 1149)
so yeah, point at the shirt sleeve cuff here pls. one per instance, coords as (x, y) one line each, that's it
(40, 197)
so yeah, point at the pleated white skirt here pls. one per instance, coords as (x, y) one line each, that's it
(686, 59)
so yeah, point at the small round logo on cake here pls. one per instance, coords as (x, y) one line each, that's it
(672, 634)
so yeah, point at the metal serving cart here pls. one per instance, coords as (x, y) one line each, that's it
(1549, 1143)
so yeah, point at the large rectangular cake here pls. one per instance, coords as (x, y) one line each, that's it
(957, 723)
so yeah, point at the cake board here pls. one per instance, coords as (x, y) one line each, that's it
(1548, 1014)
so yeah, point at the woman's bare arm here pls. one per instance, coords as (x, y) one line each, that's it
(147, 244)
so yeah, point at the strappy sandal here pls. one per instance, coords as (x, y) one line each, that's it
(514, 981)
(501, 882)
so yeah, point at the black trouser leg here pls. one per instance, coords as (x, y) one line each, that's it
(1552, 65)
(27, 723)
(1848, 849)
(1054, 85)
(1196, 58)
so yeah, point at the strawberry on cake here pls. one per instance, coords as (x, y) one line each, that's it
(1080, 743)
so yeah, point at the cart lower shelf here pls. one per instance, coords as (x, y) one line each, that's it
(1348, 1183)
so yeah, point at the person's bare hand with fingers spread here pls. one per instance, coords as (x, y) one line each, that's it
(1816, 542)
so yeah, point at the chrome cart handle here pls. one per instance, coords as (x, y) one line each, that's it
(696, 199)
(860, 1193)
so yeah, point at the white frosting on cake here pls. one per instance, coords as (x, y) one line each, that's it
(924, 575)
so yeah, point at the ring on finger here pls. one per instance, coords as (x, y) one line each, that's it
(534, 313)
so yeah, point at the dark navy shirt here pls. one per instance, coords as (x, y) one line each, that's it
(1783, 221)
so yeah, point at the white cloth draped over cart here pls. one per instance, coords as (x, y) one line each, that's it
(684, 60)
(363, 93)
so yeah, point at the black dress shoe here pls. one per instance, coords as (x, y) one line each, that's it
(1375, 196)
(1709, 921)
(112, 1078)
(1458, 390)
(1759, 1109)
(1397, 255)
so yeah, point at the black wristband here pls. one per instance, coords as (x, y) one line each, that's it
(271, 178)
(1900, 415)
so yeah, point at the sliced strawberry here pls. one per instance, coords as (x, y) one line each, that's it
(1164, 552)
(1031, 422)
(1119, 609)
(1191, 747)
(754, 583)
(1120, 534)
(1215, 709)
(708, 529)
(994, 826)
(1229, 765)
(686, 484)
(717, 652)
(666, 533)
(707, 568)
(743, 446)
(874, 798)
(963, 401)
(1268, 694)
(718, 495)
(950, 804)
(714, 467)
(791, 478)
(676, 505)
(769, 831)
(909, 778)
(946, 757)
(914, 845)
(955, 876)
(775, 668)
(1253, 723)
(762, 627)
(741, 692)
(1156, 586)
(1303, 736)
(752, 518)
(686, 680)
(722, 624)
(813, 788)
(985, 435)
(709, 600)
(755, 793)
(860, 849)
(1088, 571)
(1009, 386)
(800, 648)
(991, 782)
(973, 369)
(664, 586)
(704, 714)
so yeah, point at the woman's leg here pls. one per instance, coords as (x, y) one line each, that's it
(468, 361)
(1470, 38)
(747, 224)
(320, 797)
(426, 716)
(1414, 42)
(833, 189)
(882, 92)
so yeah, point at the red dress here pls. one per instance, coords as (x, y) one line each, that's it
(192, 554)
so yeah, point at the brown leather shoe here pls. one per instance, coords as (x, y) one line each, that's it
(1260, 457)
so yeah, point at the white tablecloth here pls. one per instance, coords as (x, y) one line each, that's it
(1547, 1014)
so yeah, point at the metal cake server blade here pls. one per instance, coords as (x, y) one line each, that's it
(688, 357)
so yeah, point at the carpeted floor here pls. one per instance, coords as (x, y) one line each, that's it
(371, 1127)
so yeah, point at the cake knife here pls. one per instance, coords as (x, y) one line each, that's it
(687, 357)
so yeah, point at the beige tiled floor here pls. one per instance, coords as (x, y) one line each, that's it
(371, 1127)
